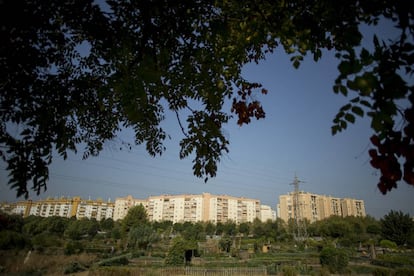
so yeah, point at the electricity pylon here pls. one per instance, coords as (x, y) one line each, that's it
(299, 221)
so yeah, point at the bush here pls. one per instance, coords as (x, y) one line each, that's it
(393, 261)
(138, 253)
(44, 240)
(73, 247)
(74, 267)
(404, 272)
(335, 259)
(289, 271)
(119, 260)
(388, 244)
(381, 272)
(11, 240)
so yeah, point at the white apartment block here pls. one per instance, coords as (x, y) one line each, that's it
(94, 209)
(193, 208)
(122, 205)
(315, 207)
(175, 208)
(62, 207)
(266, 213)
(49, 207)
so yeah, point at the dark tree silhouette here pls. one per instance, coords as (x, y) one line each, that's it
(397, 227)
(73, 73)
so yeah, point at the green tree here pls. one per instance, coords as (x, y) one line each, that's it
(142, 236)
(82, 228)
(193, 231)
(106, 224)
(210, 228)
(219, 228)
(12, 240)
(335, 227)
(225, 243)
(180, 52)
(136, 215)
(244, 228)
(34, 225)
(335, 259)
(176, 252)
(397, 227)
(11, 222)
(230, 228)
(73, 230)
(56, 225)
(258, 228)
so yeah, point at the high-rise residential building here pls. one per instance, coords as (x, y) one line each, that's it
(193, 208)
(63, 207)
(313, 207)
(266, 213)
(122, 205)
(94, 209)
(175, 208)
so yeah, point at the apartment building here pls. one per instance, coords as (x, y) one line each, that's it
(175, 208)
(93, 209)
(193, 208)
(17, 208)
(62, 207)
(313, 207)
(122, 205)
(266, 213)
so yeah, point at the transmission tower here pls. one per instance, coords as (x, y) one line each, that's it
(299, 221)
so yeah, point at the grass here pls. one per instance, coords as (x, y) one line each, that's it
(41, 264)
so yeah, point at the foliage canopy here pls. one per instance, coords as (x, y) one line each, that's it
(136, 216)
(76, 72)
(397, 227)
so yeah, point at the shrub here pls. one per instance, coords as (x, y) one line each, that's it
(388, 244)
(404, 272)
(119, 260)
(381, 272)
(289, 271)
(73, 247)
(74, 267)
(10, 240)
(138, 253)
(335, 259)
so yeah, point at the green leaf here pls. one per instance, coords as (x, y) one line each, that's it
(375, 40)
(365, 57)
(358, 111)
(355, 100)
(344, 90)
(350, 118)
(346, 107)
(343, 125)
(365, 103)
(376, 123)
(317, 55)
(345, 68)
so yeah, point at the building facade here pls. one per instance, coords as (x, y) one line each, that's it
(176, 208)
(193, 208)
(313, 207)
(62, 207)
(122, 205)
(266, 213)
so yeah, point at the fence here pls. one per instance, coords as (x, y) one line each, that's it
(187, 271)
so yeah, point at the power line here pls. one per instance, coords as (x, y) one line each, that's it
(300, 223)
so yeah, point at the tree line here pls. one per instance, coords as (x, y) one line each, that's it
(135, 232)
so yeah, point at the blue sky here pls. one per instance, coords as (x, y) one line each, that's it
(294, 138)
